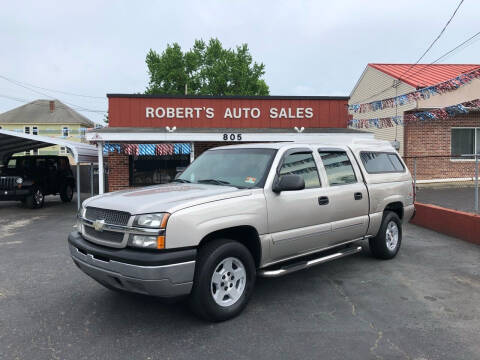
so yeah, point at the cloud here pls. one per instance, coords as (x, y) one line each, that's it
(308, 47)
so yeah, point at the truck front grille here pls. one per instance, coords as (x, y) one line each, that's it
(110, 236)
(8, 182)
(113, 217)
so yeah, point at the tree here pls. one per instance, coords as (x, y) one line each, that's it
(206, 69)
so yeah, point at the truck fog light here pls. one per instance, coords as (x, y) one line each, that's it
(147, 242)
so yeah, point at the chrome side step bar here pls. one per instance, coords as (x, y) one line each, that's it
(307, 264)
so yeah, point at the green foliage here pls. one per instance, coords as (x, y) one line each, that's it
(206, 69)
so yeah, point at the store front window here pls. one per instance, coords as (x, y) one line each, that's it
(151, 170)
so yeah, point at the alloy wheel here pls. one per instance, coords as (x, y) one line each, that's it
(392, 235)
(228, 281)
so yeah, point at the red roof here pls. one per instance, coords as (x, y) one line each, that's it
(421, 75)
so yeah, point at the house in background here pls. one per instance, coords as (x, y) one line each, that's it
(436, 144)
(47, 118)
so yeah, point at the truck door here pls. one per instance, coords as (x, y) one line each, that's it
(298, 220)
(347, 194)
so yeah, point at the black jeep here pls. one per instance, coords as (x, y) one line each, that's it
(30, 178)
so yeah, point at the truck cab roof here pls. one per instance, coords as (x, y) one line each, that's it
(355, 145)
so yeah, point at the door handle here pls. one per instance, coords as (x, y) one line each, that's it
(358, 196)
(323, 200)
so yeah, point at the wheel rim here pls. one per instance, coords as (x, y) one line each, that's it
(228, 281)
(38, 197)
(392, 235)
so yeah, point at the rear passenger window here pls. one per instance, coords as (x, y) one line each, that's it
(303, 165)
(338, 167)
(378, 162)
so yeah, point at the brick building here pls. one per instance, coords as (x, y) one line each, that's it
(437, 145)
(150, 138)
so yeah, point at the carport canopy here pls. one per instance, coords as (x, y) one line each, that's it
(12, 142)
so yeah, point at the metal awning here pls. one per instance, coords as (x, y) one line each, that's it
(167, 134)
(12, 142)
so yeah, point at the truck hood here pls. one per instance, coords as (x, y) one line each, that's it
(164, 198)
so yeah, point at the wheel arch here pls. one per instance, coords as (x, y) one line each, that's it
(396, 207)
(244, 234)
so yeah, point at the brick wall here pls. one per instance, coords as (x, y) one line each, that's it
(430, 142)
(201, 147)
(118, 172)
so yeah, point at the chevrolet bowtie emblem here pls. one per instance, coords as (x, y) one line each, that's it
(99, 225)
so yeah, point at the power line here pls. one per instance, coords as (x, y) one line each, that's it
(449, 52)
(52, 90)
(467, 43)
(31, 102)
(434, 41)
(420, 58)
(77, 107)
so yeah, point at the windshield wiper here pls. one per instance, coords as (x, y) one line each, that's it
(181, 181)
(215, 181)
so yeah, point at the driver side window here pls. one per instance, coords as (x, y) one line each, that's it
(302, 164)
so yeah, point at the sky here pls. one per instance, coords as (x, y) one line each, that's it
(308, 47)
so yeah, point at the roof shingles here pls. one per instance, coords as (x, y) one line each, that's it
(38, 112)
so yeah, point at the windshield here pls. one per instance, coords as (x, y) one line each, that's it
(242, 168)
(16, 165)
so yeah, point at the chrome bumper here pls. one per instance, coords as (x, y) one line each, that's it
(162, 281)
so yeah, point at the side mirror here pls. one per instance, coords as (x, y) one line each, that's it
(289, 182)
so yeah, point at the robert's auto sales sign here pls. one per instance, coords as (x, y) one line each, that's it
(227, 112)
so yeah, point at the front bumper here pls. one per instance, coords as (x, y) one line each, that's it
(15, 194)
(167, 274)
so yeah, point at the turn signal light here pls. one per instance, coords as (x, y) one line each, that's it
(161, 242)
(164, 221)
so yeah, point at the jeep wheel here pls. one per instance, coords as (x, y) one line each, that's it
(36, 199)
(224, 280)
(66, 194)
(389, 238)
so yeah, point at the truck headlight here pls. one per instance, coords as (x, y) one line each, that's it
(147, 241)
(155, 221)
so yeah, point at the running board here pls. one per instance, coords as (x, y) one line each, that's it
(307, 264)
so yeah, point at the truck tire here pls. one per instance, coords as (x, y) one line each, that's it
(66, 193)
(36, 199)
(386, 244)
(224, 280)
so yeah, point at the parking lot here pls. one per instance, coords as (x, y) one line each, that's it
(453, 197)
(421, 305)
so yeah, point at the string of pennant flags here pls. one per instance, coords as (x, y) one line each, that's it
(435, 114)
(148, 149)
(420, 94)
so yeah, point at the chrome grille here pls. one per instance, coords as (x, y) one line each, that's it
(111, 236)
(7, 182)
(113, 217)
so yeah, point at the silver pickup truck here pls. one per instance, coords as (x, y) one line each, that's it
(243, 211)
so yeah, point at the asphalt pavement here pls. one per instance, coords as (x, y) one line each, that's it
(424, 304)
(456, 198)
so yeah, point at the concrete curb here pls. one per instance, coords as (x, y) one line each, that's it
(462, 225)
